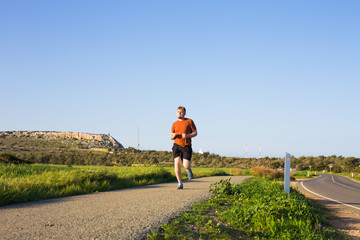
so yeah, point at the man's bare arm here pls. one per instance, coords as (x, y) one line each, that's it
(173, 136)
(191, 135)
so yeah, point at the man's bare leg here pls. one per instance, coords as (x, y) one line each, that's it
(177, 162)
(187, 166)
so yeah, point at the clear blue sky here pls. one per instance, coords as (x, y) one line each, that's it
(283, 74)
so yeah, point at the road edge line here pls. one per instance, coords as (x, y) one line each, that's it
(332, 176)
(327, 197)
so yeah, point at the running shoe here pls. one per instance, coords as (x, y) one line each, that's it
(190, 174)
(180, 186)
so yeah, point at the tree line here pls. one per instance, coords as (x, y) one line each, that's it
(131, 156)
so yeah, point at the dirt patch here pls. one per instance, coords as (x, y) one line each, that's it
(344, 219)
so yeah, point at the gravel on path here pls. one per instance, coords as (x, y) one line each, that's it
(121, 214)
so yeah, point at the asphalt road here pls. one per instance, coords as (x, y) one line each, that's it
(123, 214)
(338, 189)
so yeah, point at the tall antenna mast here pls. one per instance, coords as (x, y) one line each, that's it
(138, 140)
(246, 151)
(259, 150)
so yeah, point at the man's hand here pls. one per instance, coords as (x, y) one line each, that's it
(184, 135)
(172, 136)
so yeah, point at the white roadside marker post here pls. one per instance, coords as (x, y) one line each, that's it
(287, 173)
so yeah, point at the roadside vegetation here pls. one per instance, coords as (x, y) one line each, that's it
(261, 171)
(256, 209)
(354, 176)
(312, 174)
(305, 174)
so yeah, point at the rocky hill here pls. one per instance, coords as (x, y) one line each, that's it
(81, 140)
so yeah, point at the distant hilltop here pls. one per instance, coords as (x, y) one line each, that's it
(93, 140)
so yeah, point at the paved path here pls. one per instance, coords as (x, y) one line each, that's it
(122, 214)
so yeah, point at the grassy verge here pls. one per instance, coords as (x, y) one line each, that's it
(304, 174)
(106, 150)
(356, 176)
(254, 210)
(211, 171)
(25, 183)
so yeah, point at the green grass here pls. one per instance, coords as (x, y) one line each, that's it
(253, 210)
(211, 171)
(304, 174)
(25, 183)
(106, 150)
(355, 178)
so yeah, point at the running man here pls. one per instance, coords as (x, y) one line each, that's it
(181, 132)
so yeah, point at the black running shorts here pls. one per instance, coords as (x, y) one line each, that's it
(183, 152)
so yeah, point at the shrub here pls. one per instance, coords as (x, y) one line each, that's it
(270, 173)
(236, 171)
(9, 158)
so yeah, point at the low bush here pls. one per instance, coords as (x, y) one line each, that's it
(270, 173)
(9, 158)
(261, 171)
(236, 171)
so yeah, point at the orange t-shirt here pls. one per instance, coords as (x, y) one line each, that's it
(185, 126)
